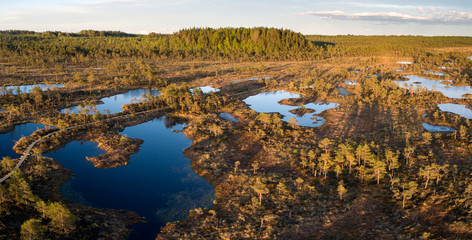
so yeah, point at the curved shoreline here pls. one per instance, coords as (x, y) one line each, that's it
(28, 150)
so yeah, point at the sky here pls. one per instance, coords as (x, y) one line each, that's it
(327, 17)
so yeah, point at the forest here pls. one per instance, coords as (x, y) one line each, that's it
(386, 160)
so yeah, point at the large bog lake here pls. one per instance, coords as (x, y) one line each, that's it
(158, 183)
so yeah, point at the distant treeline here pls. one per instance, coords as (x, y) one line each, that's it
(212, 44)
(350, 45)
(83, 33)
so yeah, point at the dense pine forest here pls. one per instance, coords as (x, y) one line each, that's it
(226, 43)
(371, 170)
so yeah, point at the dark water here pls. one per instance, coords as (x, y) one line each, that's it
(158, 182)
(7, 140)
(114, 103)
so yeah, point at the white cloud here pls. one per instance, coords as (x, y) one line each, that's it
(380, 5)
(427, 17)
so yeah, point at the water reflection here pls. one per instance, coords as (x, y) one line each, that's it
(228, 117)
(158, 183)
(343, 92)
(444, 87)
(268, 102)
(206, 89)
(350, 82)
(433, 128)
(113, 104)
(7, 140)
(435, 73)
(15, 90)
(458, 109)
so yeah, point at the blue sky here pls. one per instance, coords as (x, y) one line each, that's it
(329, 17)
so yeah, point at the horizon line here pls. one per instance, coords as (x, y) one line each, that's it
(305, 34)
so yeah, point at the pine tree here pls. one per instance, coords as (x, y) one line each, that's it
(341, 190)
(260, 188)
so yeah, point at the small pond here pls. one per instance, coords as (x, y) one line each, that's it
(433, 128)
(228, 117)
(7, 140)
(206, 89)
(342, 91)
(458, 109)
(114, 103)
(268, 102)
(444, 87)
(158, 183)
(15, 90)
(351, 82)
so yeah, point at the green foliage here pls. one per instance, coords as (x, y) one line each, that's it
(260, 188)
(17, 199)
(33, 229)
(62, 220)
(207, 43)
(341, 190)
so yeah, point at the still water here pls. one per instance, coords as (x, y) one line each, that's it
(228, 117)
(158, 183)
(7, 140)
(343, 91)
(268, 102)
(351, 82)
(458, 109)
(113, 104)
(434, 128)
(444, 87)
(206, 89)
(15, 90)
